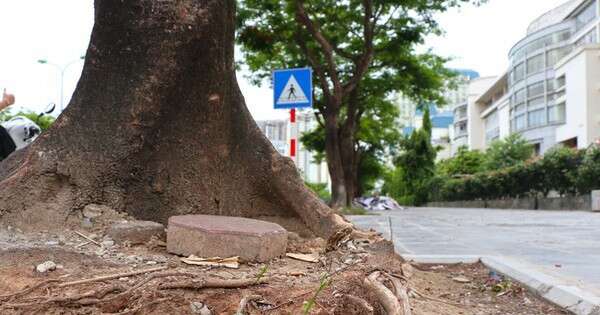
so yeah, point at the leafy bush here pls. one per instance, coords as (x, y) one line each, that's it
(564, 170)
(588, 174)
(510, 151)
(559, 170)
(465, 162)
(320, 189)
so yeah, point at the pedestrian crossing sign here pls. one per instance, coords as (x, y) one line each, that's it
(292, 88)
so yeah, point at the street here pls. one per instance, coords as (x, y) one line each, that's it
(562, 244)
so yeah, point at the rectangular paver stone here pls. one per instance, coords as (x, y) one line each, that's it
(136, 232)
(220, 236)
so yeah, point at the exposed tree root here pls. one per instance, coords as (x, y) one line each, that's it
(394, 302)
(28, 290)
(202, 283)
(113, 276)
(244, 303)
(110, 302)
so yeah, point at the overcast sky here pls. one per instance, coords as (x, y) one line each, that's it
(477, 38)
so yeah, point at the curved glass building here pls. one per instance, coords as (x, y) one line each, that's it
(534, 92)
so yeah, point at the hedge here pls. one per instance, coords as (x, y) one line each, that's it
(564, 170)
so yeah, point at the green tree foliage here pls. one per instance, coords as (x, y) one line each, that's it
(44, 122)
(415, 165)
(320, 189)
(507, 152)
(346, 43)
(465, 162)
(588, 173)
(377, 137)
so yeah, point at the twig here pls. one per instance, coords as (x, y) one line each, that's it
(87, 238)
(29, 289)
(83, 244)
(113, 276)
(427, 297)
(212, 283)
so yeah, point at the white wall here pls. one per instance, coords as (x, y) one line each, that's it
(582, 72)
(476, 125)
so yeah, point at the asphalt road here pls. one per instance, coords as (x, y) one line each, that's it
(562, 244)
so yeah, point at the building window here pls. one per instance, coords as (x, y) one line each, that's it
(590, 38)
(537, 117)
(557, 54)
(535, 64)
(535, 90)
(519, 72)
(585, 16)
(536, 103)
(556, 113)
(520, 122)
(519, 97)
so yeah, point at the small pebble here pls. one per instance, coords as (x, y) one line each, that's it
(46, 266)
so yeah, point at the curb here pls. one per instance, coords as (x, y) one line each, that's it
(552, 289)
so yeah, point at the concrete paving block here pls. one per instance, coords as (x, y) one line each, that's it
(555, 290)
(136, 232)
(220, 236)
(442, 259)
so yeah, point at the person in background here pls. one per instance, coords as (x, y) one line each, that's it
(7, 145)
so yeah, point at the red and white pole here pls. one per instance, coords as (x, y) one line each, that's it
(293, 134)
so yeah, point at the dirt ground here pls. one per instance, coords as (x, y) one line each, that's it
(334, 285)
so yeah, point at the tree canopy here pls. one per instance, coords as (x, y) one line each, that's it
(348, 44)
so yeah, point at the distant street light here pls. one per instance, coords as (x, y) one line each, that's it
(62, 70)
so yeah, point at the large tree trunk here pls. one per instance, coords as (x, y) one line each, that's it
(335, 162)
(157, 127)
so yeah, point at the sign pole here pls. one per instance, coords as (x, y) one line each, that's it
(293, 134)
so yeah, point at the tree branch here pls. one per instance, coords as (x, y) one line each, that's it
(318, 69)
(362, 66)
(303, 18)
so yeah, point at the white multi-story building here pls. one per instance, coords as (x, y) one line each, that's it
(445, 120)
(279, 133)
(551, 92)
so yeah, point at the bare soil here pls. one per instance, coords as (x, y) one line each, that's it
(291, 283)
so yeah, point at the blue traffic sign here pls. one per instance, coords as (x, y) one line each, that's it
(292, 88)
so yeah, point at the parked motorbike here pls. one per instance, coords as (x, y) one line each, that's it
(23, 130)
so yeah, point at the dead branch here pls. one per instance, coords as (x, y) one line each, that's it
(113, 276)
(385, 296)
(201, 283)
(244, 303)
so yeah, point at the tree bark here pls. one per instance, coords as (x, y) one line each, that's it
(158, 127)
(335, 163)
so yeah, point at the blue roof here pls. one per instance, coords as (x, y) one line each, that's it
(441, 121)
(471, 74)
